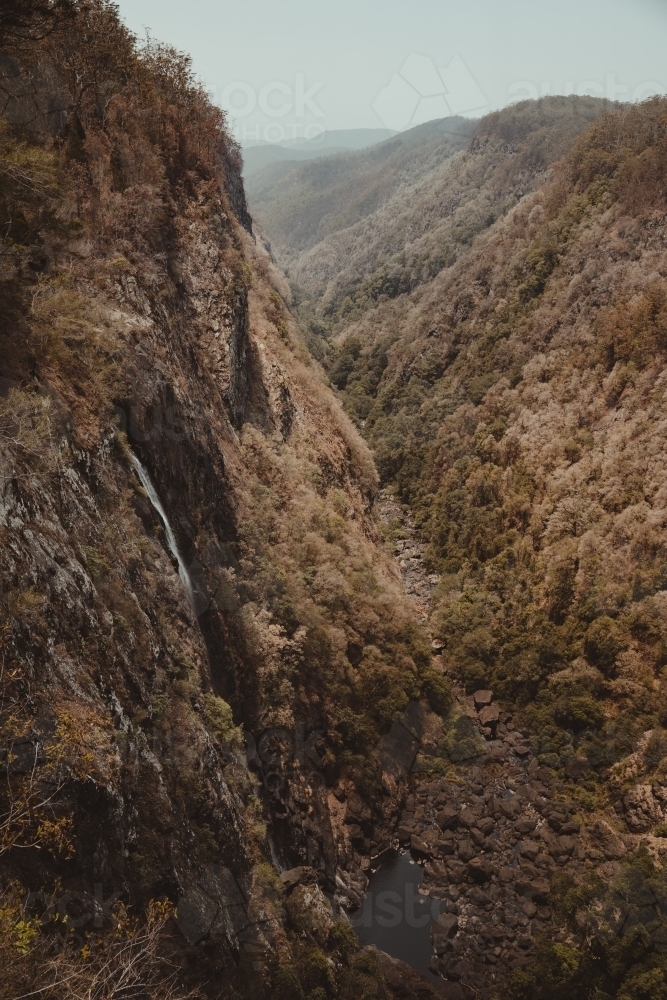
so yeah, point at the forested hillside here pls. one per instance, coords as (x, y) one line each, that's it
(515, 402)
(262, 617)
(352, 231)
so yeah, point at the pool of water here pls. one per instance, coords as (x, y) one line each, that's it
(394, 916)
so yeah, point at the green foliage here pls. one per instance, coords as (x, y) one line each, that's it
(221, 721)
(579, 712)
(316, 972)
(438, 691)
(529, 611)
(461, 742)
(344, 939)
(98, 564)
(621, 934)
(650, 985)
(363, 978)
(602, 644)
(286, 985)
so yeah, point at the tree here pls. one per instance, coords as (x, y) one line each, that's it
(24, 19)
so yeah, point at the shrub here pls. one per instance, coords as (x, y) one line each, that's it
(438, 691)
(221, 721)
(579, 712)
(602, 644)
(286, 985)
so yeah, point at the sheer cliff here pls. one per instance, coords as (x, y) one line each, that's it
(187, 553)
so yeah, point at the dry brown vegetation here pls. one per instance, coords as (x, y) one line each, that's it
(139, 316)
(516, 403)
(435, 190)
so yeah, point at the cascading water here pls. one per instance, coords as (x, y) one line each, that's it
(171, 540)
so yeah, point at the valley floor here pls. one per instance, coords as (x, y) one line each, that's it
(496, 831)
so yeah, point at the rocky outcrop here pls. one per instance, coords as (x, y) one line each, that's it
(644, 807)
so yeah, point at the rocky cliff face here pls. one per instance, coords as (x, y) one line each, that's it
(143, 328)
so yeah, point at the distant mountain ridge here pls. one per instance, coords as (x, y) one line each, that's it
(380, 222)
(257, 154)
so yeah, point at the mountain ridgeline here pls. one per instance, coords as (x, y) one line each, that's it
(495, 321)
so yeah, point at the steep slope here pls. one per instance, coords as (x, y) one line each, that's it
(371, 227)
(158, 413)
(323, 211)
(516, 404)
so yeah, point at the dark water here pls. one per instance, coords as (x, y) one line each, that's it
(394, 916)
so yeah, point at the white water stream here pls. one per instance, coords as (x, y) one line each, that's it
(171, 540)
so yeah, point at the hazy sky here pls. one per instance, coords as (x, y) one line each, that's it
(292, 67)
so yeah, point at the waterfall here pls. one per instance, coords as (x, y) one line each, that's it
(171, 540)
(277, 863)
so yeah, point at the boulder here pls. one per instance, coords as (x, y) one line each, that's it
(557, 820)
(642, 810)
(489, 716)
(529, 849)
(431, 835)
(448, 817)
(510, 807)
(608, 840)
(535, 889)
(458, 969)
(525, 825)
(292, 877)
(357, 810)
(456, 870)
(482, 699)
(419, 845)
(467, 817)
(444, 927)
(577, 768)
(563, 847)
(466, 850)
(480, 870)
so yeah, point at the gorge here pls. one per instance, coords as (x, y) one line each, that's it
(398, 421)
